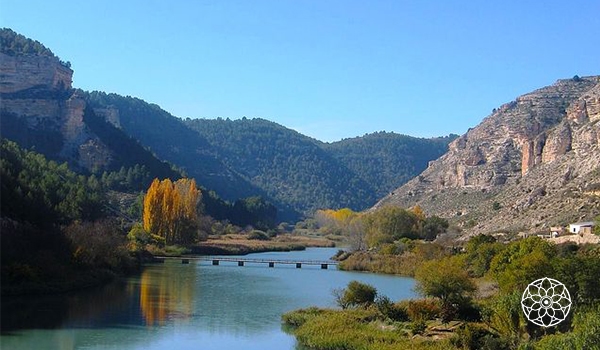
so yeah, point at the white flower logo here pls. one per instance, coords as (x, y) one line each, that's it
(546, 302)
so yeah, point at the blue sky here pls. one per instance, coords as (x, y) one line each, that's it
(330, 69)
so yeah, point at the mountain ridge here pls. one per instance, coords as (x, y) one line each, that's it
(524, 168)
(90, 130)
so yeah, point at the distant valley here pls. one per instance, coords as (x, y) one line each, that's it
(532, 163)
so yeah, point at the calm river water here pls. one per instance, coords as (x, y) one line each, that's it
(195, 306)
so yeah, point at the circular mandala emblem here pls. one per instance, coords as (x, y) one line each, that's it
(546, 302)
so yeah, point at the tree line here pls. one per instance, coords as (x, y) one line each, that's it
(381, 227)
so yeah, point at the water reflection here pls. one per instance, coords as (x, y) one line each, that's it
(88, 308)
(166, 293)
(180, 306)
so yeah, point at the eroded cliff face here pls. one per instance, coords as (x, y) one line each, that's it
(20, 73)
(548, 139)
(40, 108)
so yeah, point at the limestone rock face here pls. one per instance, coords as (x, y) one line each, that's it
(524, 146)
(558, 143)
(25, 72)
(39, 107)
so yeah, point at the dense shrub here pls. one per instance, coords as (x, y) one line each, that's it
(446, 279)
(422, 309)
(99, 245)
(390, 310)
(355, 295)
(474, 337)
(258, 235)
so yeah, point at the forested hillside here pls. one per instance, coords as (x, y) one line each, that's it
(290, 167)
(386, 160)
(169, 138)
(309, 174)
(46, 246)
(246, 157)
(96, 132)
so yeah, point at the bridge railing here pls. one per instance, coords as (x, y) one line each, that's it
(242, 261)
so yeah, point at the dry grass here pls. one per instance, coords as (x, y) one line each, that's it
(234, 244)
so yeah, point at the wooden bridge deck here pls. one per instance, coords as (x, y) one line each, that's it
(242, 261)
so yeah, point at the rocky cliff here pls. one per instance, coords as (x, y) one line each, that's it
(40, 109)
(22, 72)
(533, 163)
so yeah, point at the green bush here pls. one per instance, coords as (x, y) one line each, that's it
(357, 294)
(504, 316)
(585, 334)
(390, 310)
(298, 317)
(138, 237)
(388, 249)
(258, 235)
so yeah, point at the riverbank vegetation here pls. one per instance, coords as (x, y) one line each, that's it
(257, 242)
(62, 230)
(379, 228)
(455, 314)
(55, 231)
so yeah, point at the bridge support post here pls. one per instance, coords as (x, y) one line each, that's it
(324, 266)
(240, 263)
(215, 262)
(298, 265)
(185, 261)
(271, 264)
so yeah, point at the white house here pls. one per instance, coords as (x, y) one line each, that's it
(581, 227)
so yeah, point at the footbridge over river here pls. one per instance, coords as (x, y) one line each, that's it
(242, 261)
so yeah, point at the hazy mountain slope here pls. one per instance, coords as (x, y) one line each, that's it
(171, 140)
(290, 166)
(386, 160)
(533, 163)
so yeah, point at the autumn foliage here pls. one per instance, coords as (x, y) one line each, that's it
(171, 210)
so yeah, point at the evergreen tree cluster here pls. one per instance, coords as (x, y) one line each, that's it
(386, 160)
(14, 44)
(44, 192)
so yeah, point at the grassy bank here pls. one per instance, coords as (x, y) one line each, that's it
(237, 244)
(391, 261)
(472, 299)
(327, 329)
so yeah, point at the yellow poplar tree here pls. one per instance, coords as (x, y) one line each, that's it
(152, 207)
(171, 210)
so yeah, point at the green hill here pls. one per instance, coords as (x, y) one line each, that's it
(386, 160)
(309, 174)
(289, 166)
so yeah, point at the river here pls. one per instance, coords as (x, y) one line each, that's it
(195, 306)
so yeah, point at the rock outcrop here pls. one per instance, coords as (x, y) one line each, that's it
(20, 73)
(532, 157)
(40, 109)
